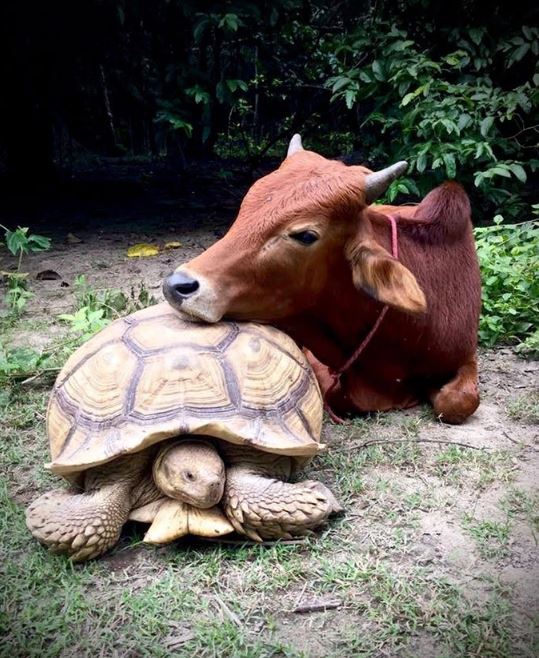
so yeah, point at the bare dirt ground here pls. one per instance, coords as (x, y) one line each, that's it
(435, 556)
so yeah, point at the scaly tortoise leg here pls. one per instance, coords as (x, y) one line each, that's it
(263, 507)
(85, 525)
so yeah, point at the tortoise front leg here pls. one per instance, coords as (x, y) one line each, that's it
(85, 525)
(262, 507)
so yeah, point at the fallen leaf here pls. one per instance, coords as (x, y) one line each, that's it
(142, 250)
(72, 238)
(48, 275)
(173, 245)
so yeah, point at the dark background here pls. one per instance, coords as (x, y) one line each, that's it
(108, 97)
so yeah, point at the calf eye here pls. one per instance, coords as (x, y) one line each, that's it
(305, 237)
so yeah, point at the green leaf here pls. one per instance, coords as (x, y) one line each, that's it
(377, 70)
(501, 170)
(349, 98)
(519, 53)
(39, 243)
(449, 125)
(421, 163)
(220, 91)
(486, 125)
(518, 171)
(475, 35)
(450, 164)
(16, 241)
(340, 83)
(464, 121)
(408, 99)
(200, 27)
(230, 22)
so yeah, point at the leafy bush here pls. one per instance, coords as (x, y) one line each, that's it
(509, 261)
(444, 113)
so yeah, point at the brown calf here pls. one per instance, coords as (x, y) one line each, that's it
(308, 254)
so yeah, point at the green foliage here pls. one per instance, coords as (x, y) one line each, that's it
(85, 322)
(97, 308)
(18, 363)
(442, 109)
(19, 243)
(529, 348)
(509, 260)
(17, 293)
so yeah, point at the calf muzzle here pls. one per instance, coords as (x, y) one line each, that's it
(179, 286)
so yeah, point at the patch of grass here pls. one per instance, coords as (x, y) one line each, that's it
(525, 408)
(394, 607)
(462, 466)
(23, 436)
(524, 504)
(491, 537)
(220, 637)
(50, 607)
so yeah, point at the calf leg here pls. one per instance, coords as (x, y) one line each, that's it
(459, 398)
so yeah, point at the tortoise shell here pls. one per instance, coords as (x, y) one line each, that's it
(151, 376)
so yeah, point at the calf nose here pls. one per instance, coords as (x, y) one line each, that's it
(178, 286)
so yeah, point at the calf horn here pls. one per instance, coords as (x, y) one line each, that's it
(378, 182)
(295, 145)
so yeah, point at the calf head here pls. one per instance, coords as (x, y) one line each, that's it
(301, 231)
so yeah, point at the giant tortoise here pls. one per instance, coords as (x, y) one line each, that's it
(195, 428)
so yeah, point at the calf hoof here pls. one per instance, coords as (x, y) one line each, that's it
(454, 406)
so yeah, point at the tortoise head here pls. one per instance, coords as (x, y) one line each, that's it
(191, 471)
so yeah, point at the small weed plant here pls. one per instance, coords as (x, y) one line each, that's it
(97, 308)
(20, 242)
(19, 363)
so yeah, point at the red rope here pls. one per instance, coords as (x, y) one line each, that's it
(336, 374)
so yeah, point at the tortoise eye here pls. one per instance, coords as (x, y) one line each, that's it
(305, 237)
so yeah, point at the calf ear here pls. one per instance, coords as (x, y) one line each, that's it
(384, 278)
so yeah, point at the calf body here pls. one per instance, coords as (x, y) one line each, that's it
(309, 254)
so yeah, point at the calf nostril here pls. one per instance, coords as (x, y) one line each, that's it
(179, 285)
(187, 288)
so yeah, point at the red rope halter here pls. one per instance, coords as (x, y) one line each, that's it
(337, 374)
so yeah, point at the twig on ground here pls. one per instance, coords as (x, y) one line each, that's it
(300, 597)
(28, 380)
(228, 612)
(508, 436)
(249, 542)
(318, 605)
(373, 442)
